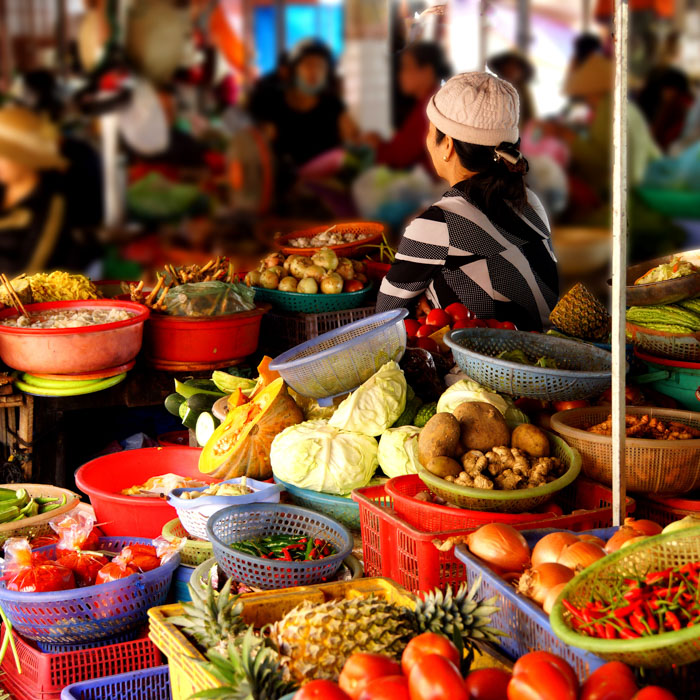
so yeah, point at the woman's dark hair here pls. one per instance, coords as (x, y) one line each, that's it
(585, 45)
(313, 47)
(429, 53)
(500, 175)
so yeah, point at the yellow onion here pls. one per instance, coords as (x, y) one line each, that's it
(688, 521)
(632, 540)
(548, 549)
(552, 596)
(645, 527)
(592, 538)
(501, 546)
(579, 555)
(620, 537)
(536, 583)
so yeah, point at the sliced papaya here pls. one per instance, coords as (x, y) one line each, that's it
(240, 446)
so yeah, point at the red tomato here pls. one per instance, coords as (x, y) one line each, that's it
(425, 330)
(352, 286)
(428, 344)
(540, 675)
(488, 684)
(568, 405)
(461, 324)
(360, 669)
(612, 681)
(428, 643)
(552, 508)
(654, 692)
(478, 323)
(386, 688)
(436, 678)
(412, 327)
(439, 318)
(508, 326)
(458, 312)
(321, 690)
(502, 325)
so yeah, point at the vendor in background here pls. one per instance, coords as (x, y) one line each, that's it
(422, 68)
(514, 68)
(32, 210)
(486, 243)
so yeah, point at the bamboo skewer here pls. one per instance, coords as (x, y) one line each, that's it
(14, 297)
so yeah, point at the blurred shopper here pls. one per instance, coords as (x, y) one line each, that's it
(516, 69)
(32, 208)
(268, 90)
(486, 243)
(584, 45)
(422, 68)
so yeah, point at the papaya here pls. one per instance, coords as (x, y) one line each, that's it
(240, 446)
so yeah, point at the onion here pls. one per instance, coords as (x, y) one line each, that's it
(620, 537)
(632, 540)
(552, 596)
(592, 538)
(501, 546)
(548, 549)
(688, 521)
(646, 527)
(579, 555)
(536, 583)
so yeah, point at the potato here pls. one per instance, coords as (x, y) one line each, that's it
(531, 439)
(482, 426)
(444, 466)
(439, 438)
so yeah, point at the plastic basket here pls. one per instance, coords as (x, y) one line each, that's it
(584, 369)
(235, 524)
(344, 510)
(195, 551)
(187, 676)
(674, 378)
(150, 684)
(339, 361)
(372, 229)
(281, 331)
(179, 593)
(591, 501)
(599, 580)
(667, 510)
(45, 675)
(515, 501)
(653, 466)
(83, 615)
(195, 512)
(678, 346)
(672, 203)
(525, 623)
(313, 303)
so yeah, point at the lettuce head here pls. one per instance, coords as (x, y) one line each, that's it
(398, 451)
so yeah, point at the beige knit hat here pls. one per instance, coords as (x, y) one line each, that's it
(476, 108)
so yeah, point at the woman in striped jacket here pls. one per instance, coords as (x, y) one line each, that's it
(487, 242)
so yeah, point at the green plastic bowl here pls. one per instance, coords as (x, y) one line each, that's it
(517, 501)
(313, 303)
(677, 204)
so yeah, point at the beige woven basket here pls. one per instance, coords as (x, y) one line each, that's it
(661, 467)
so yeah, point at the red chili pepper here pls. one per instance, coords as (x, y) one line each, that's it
(626, 610)
(599, 630)
(573, 610)
(671, 620)
(313, 553)
(650, 619)
(286, 554)
(610, 631)
(637, 625)
(657, 576)
(318, 542)
(628, 634)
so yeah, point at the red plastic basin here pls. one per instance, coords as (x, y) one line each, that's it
(103, 478)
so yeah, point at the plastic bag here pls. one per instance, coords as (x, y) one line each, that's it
(141, 557)
(166, 549)
(76, 531)
(31, 572)
(84, 565)
(114, 571)
(209, 299)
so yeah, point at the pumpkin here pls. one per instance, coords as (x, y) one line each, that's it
(240, 446)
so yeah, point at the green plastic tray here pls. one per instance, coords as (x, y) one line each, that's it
(518, 501)
(195, 551)
(313, 303)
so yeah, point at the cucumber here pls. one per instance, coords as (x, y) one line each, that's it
(206, 425)
(189, 420)
(182, 410)
(173, 403)
(202, 402)
(196, 386)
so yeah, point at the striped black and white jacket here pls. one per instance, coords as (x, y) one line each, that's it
(454, 252)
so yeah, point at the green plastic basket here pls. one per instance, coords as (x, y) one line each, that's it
(313, 303)
(517, 501)
(195, 551)
(677, 204)
(600, 579)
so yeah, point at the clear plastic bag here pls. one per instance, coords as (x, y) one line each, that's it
(208, 299)
(29, 572)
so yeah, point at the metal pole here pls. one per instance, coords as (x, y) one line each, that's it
(522, 38)
(619, 260)
(483, 32)
(586, 13)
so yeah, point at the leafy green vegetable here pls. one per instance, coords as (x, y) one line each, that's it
(514, 356)
(398, 451)
(465, 390)
(413, 403)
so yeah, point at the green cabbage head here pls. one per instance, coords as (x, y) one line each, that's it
(398, 451)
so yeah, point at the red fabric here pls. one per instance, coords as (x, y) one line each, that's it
(663, 8)
(407, 147)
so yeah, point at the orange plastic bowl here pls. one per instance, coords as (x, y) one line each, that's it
(345, 250)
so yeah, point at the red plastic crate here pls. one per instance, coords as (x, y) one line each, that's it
(591, 501)
(44, 676)
(667, 510)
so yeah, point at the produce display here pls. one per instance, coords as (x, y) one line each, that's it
(162, 485)
(329, 237)
(220, 489)
(17, 504)
(580, 315)
(286, 547)
(681, 318)
(68, 318)
(675, 268)
(521, 358)
(324, 273)
(648, 428)
(53, 286)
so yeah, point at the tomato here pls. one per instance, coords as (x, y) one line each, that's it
(612, 681)
(426, 329)
(568, 405)
(428, 643)
(439, 318)
(436, 678)
(360, 669)
(386, 688)
(654, 692)
(412, 327)
(321, 690)
(553, 508)
(352, 286)
(479, 323)
(428, 344)
(461, 324)
(488, 684)
(458, 312)
(540, 675)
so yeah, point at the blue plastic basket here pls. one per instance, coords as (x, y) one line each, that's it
(339, 361)
(128, 636)
(523, 620)
(344, 510)
(90, 614)
(585, 369)
(312, 303)
(179, 591)
(150, 684)
(238, 523)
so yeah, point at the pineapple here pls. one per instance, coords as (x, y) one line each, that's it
(248, 670)
(212, 619)
(581, 315)
(314, 641)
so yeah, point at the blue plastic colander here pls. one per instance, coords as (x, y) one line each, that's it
(339, 361)
(583, 370)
